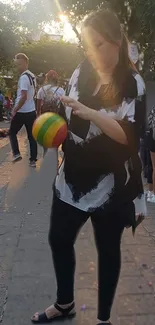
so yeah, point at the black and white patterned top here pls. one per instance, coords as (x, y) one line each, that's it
(97, 170)
(151, 118)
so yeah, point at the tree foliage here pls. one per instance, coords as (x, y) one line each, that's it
(137, 17)
(18, 24)
(34, 15)
(46, 55)
(9, 36)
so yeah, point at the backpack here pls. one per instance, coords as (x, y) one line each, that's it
(50, 105)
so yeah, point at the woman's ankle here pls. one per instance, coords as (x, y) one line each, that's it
(66, 305)
(104, 322)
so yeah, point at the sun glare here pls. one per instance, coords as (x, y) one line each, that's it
(63, 18)
(14, 1)
(63, 27)
(68, 33)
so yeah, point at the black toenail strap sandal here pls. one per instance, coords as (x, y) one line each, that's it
(65, 314)
(65, 311)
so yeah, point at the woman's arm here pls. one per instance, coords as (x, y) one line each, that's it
(39, 104)
(40, 99)
(107, 124)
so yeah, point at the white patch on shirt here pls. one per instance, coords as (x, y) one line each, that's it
(94, 199)
(68, 112)
(140, 84)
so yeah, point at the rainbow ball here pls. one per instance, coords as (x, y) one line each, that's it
(49, 130)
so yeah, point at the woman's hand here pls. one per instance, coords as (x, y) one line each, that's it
(79, 109)
(105, 123)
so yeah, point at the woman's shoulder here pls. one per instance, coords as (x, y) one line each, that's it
(75, 74)
(141, 89)
(134, 85)
(73, 82)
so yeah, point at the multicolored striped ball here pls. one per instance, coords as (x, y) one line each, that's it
(49, 130)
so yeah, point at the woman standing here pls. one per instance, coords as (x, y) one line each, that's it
(101, 173)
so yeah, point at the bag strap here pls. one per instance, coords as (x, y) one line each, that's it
(31, 79)
(48, 90)
(56, 90)
(44, 90)
(32, 82)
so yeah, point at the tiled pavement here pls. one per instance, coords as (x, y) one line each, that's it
(27, 281)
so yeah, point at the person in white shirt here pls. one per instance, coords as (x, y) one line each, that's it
(24, 112)
(48, 97)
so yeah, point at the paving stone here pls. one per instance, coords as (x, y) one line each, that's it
(134, 285)
(127, 256)
(8, 219)
(135, 304)
(137, 240)
(3, 298)
(26, 269)
(4, 151)
(86, 281)
(87, 317)
(32, 227)
(31, 255)
(39, 237)
(130, 269)
(141, 231)
(33, 285)
(143, 254)
(11, 208)
(87, 297)
(138, 320)
(9, 239)
(32, 218)
(33, 243)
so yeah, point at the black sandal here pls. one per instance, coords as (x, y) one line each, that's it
(42, 318)
(104, 323)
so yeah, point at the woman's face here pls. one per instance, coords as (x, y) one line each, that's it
(103, 55)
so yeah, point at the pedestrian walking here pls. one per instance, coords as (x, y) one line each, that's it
(24, 112)
(101, 173)
(48, 97)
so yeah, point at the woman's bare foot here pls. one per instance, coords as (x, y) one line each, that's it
(52, 312)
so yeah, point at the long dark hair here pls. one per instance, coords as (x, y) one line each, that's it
(108, 25)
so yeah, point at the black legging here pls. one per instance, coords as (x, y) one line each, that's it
(66, 221)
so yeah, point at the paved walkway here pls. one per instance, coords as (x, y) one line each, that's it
(27, 281)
